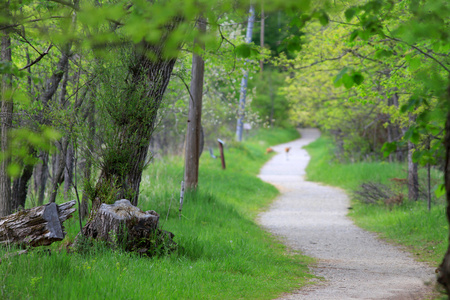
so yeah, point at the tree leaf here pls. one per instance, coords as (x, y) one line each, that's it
(243, 50)
(350, 13)
(340, 74)
(358, 78)
(348, 81)
(388, 148)
(440, 191)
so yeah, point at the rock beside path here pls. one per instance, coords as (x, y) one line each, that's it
(312, 218)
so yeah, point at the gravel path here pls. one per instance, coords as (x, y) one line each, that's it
(312, 218)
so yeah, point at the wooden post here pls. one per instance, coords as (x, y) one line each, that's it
(222, 155)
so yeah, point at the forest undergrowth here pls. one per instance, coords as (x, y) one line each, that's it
(222, 254)
(409, 223)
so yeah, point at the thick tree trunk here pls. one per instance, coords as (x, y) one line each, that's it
(6, 119)
(37, 226)
(194, 127)
(124, 162)
(444, 268)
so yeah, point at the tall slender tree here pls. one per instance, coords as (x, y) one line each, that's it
(243, 92)
(194, 126)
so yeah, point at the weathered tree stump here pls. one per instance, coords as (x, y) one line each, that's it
(124, 225)
(38, 226)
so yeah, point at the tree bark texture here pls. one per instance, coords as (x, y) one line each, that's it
(37, 226)
(123, 225)
(444, 268)
(123, 164)
(6, 119)
(194, 126)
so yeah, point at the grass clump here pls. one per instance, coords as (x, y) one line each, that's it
(410, 224)
(222, 253)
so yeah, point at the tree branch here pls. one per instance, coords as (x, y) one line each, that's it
(30, 21)
(65, 3)
(39, 58)
(422, 52)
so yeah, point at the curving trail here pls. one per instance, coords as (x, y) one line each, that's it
(312, 218)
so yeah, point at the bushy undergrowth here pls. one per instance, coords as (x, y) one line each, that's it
(223, 253)
(410, 224)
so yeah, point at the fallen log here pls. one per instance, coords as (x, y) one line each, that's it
(126, 226)
(37, 226)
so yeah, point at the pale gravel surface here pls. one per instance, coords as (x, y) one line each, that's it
(312, 218)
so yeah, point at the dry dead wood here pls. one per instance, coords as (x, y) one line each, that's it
(37, 226)
(124, 225)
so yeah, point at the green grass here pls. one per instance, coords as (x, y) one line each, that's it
(423, 232)
(223, 253)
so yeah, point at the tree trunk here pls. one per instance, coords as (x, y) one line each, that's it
(68, 170)
(20, 188)
(43, 176)
(6, 119)
(194, 128)
(261, 62)
(125, 160)
(243, 93)
(59, 167)
(413, 176)
(444, 268)
(36, 226)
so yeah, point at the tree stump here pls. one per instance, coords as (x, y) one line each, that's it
(38, 226)
(126, 226)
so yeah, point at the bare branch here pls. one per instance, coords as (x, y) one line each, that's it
(30, 21)
(38, 59)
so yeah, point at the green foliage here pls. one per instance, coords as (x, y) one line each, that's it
(269, 102)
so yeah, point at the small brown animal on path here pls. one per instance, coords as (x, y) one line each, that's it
(268, 150)
(287, 152)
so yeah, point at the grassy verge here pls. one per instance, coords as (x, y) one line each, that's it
(223, 253)
(423, 232)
